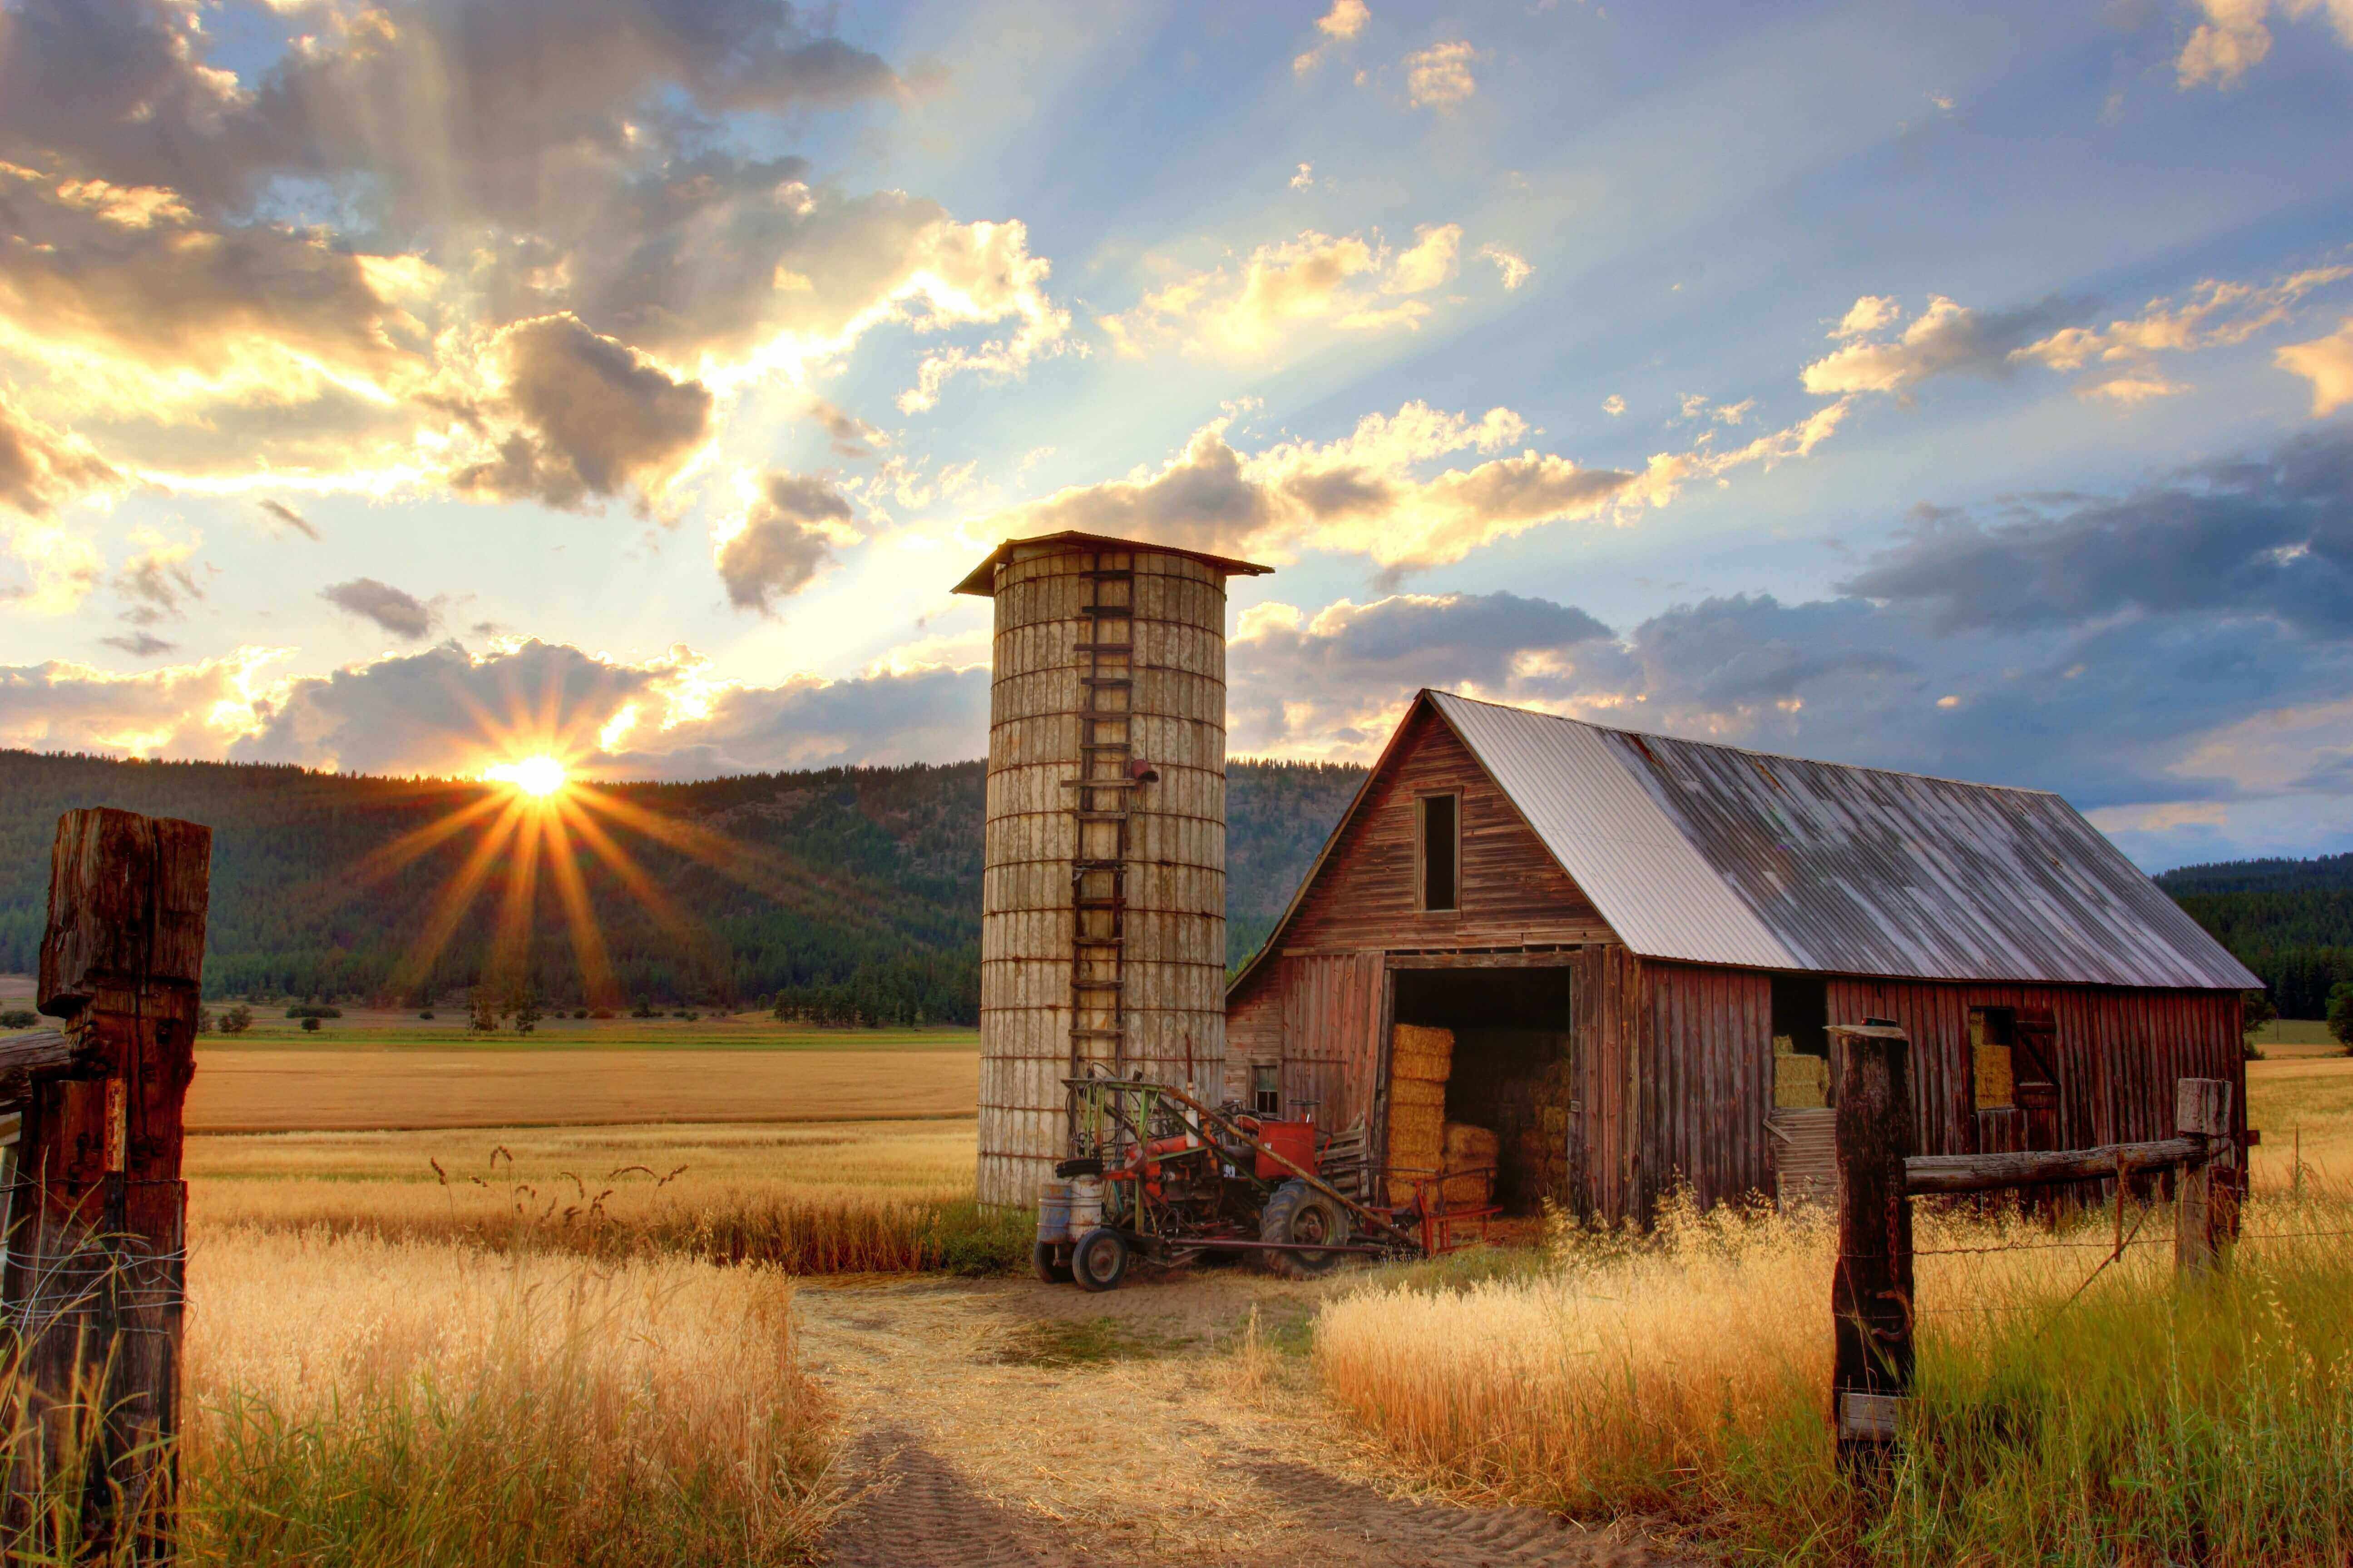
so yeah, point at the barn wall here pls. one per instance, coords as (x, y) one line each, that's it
(1253, 1029)
(1513, 891)
(2120, 1053)
(1703, 1060)
(1604, 998)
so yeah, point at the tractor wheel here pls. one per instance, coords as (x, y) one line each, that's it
(1298, 1215)
(1099, 1261)
(1050, 1270)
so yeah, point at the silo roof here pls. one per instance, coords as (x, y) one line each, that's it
(982, 579)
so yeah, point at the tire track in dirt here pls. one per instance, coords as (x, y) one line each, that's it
(999, 1424)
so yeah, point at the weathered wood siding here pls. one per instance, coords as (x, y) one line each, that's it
(1605, 988)
(1513, 893)
(1703, 1060)
(2120, 1053)
(1331, 1028)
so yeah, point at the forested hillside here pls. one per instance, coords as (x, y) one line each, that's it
(845, 893)
(2291, 921)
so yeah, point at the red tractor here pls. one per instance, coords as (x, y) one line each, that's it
(1156, 1175)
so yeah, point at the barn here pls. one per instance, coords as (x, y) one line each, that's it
(1637, 944)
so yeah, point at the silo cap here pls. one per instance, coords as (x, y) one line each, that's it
(983, 580)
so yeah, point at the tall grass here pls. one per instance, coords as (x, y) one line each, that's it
(365, 1401)
(1685, 1376)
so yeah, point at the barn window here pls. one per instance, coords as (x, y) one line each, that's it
(1266, 1089)
(1441, 851)
(1993, 1032)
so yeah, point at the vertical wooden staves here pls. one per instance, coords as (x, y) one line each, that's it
(1870, 1291)
(95, 1270)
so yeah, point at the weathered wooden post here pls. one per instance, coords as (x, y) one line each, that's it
(1871, 1293)
(2202, 1110)
(96, 1263)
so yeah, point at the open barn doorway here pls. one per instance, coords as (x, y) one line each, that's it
(1512, 1071)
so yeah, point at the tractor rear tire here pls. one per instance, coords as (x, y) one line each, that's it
(1099, 1261)
(1042, 1260)
(1298, 1213)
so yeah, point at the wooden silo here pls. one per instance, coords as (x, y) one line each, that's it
(1104, 896)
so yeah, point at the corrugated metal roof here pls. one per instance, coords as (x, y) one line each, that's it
(1715, 855)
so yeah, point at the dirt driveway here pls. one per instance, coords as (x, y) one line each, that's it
(1004, 1422)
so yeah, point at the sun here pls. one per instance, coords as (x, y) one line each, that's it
(539, 776)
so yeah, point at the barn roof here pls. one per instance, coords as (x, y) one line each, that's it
(1711, 853)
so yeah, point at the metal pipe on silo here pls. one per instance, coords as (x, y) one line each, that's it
(1103, 892)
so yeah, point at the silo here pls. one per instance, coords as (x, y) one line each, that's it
(1104, 898)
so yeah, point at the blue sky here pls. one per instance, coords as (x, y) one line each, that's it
(396, 387)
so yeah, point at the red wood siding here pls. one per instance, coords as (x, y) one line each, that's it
(2120, 1053)
(1513, 893)
(1253, 1029)
(1703, 1059)
(1332, 1036)
(1606, 989)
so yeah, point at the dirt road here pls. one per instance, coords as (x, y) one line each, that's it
(1002, 1422)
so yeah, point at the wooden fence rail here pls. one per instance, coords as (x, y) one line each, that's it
(1871, 1302)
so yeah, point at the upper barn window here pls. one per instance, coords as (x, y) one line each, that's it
(1439, 833)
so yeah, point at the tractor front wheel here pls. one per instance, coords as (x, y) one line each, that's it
(1099, 1261)
(1299, 1215)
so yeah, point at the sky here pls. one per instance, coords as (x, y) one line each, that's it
(407, 387)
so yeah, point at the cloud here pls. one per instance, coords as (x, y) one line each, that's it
(1515, 270)
(2118, 358)
(402, 615)
(2267, 538)
(1343, 22)
(597, 417)
(157, 579)
(1439, 76)
(2234, 39)
(2328, 364)
(1868, 315)
(141, 644)
(1280, 290)
(1304, 178)
(457, 175)
(290, 517)
(42, 469)
(1613, 405)
(1366, 494)
(784, 538)
(1946, 338)
(194, 710)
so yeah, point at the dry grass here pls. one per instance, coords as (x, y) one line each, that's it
(269, 1091)
(1686, 1377)
(359, 1403)
(816, 1199)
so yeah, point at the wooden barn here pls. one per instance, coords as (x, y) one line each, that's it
(1637, 942)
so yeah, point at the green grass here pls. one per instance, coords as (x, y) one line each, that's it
(1075, 1341)
(2295, 1033)
(376, 1033)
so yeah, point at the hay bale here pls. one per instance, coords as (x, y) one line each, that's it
(1467, 1147)
(1421, 1093)
(1801, 1082)
(1469, 1190)
(1421, 1054)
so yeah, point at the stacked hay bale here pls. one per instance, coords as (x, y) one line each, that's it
(1469, 1157)
(1420, 1061)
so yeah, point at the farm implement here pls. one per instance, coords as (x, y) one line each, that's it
(1155, 1176)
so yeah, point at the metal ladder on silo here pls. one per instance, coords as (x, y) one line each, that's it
(1104, 791)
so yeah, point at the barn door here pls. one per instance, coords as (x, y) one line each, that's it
(1331, 1035)
(2035, 1069)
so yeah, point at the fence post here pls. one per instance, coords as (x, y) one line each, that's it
(95, 1267)
(2202, 1108)
(1871, 1293)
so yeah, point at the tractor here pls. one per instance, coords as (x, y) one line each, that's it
(1155, 1176)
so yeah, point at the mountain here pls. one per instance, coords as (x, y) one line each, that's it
(844, 892)
(2291, 921)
